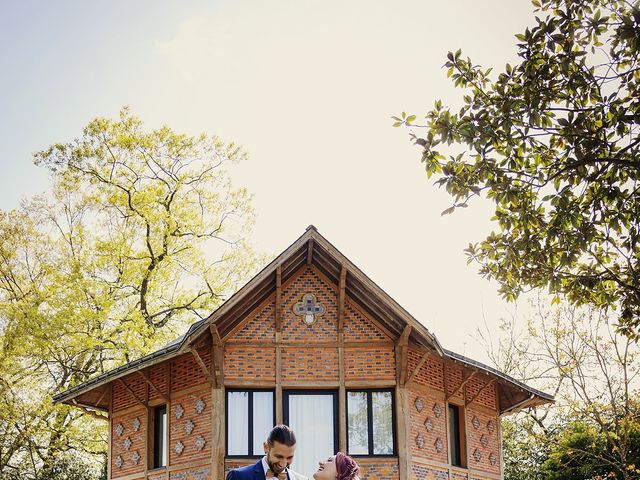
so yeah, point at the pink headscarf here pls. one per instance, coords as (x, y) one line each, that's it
(346, 467)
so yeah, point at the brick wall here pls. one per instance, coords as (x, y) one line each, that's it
(358, 328)
(482, 393)
(487, 426)
(159, 376)
(425, 447)
(122, 398)
(230, 464)
(455, 376)
(431, 373)
(369, 364)
(376, 470)
(259, 326)
(158, 476)
(325, 328)
(190, 427)
(249, 363)
(119, 442)
(199, 473)
(424, 472)
(185, 371)
(301, 361)
(310, 364)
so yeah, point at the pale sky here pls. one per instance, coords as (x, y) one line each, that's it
(307, 87)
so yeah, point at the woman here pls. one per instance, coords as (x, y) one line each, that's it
(338, 467)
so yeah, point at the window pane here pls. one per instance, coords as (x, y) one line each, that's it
(262, 419)
(381, 407)
(357, 421)
(238, 423)
(159, 444)
(311, 417)
(454, 435)
(164, 443)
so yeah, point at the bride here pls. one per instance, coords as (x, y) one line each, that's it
(338, 467)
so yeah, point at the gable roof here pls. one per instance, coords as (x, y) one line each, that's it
(310, 248)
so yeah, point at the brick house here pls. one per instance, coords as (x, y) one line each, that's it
(312, 342)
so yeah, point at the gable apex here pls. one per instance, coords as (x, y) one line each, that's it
(311, 248)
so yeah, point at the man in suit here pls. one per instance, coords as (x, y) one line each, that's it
(278, 455)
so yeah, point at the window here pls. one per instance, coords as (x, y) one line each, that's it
(456, 436)
(159, 436)
(370, 420)
(250, 418)
(313, 415)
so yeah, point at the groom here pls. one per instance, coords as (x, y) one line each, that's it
(278, 449)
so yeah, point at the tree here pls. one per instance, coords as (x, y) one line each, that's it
(553, 143)
(579, 451)
(593, 429)
(141, 234)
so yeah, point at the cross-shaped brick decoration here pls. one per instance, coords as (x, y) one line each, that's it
(308, 308)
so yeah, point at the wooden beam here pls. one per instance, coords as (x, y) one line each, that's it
(418, 367)
(279, 406)
(404, 423)
(90, 412)
(203, 367)
(404, 338)
(217, 355)
(217, 433)
(461, 386)
(310, 251)
(341, 296)
(131, 392)
(278, 298)
(146, 378)
(215, 334)
(484, 387)
(342, 394)
(403, 343)
(104, 392)
(110, 429)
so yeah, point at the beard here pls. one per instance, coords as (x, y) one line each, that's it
(274, 468)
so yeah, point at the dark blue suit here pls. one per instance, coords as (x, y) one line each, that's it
(250, 472)
(256, 472)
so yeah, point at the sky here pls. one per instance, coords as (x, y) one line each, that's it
(307, 88)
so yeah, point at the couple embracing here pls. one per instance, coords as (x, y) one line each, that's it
(278, 455)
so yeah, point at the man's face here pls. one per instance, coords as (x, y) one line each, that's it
(279, 456)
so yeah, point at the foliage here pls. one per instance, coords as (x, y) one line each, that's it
(523, 449)
(553, 143)
(141, 234)
(593, 428)
(580, 451)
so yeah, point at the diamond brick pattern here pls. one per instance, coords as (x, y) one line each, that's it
(179, 448)
(475, 422)
(188, 427)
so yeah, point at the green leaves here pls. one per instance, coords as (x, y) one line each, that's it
(552, 141)
(142, 234)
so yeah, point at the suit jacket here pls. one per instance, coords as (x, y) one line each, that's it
(256, 472)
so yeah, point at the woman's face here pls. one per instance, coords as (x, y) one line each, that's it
(326, 469)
